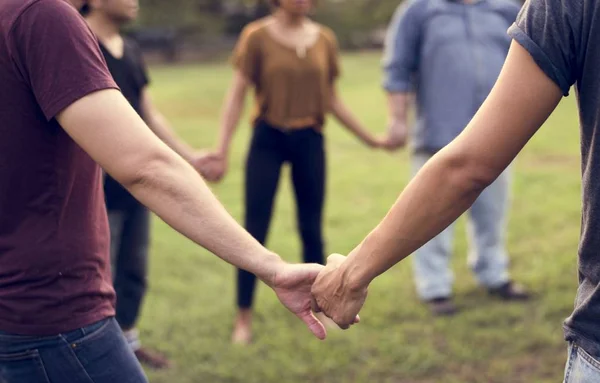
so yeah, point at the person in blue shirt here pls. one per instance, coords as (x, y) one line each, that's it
(555, 49)
(448, 55)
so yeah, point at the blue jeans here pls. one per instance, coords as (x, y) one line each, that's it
(94, 354)
(581, 366)
(486, 228)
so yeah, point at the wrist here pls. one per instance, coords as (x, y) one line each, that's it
(355, 272)
(269, 267)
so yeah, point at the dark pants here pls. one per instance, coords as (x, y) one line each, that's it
(130, 239)
(269, 150)
(94, 354)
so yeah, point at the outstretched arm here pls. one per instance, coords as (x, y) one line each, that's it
(519, 104)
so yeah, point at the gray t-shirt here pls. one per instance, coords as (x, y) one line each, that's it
(563, 37)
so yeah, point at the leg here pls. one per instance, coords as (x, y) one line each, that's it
(487, 227)
(133, 282)
(308, 175)
(263, 168)
(431, 262)
(116, 219)
(132, 266)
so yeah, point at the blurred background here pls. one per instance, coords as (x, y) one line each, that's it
(190, 308)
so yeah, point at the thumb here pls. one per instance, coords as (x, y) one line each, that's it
(313, 324)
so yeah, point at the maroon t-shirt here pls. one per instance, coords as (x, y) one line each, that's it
(54, 259)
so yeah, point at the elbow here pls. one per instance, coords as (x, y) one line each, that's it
(468, 173)
(145, 171)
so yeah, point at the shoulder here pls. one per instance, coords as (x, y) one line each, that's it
(49, 20)
(55, 10)
(327, 34)
(417, 8)
(508, 8)
(254, 30)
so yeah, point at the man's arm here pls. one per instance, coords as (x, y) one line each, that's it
(519, 104)
(400, 62)
(160, 126)
(155, 175)
(122, 144)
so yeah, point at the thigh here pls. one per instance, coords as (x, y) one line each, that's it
(308, 172)
(106, 357)
(263, 168)
(116, 220)
(581, 367)
(135, 242)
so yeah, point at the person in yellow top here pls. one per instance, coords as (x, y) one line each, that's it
(292, 64)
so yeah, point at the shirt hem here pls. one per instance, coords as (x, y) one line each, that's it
(588, 345)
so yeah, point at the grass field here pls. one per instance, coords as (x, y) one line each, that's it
(189, 310)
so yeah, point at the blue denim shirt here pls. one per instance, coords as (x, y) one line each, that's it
(450, 54)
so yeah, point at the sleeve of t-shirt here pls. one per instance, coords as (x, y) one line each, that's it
(57, 55)
(550, 30)
(246, 55)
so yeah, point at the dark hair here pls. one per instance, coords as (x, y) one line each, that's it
(277, 3)
(85, 9)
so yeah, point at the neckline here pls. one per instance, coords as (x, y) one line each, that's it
(103, 46)
(295, 49)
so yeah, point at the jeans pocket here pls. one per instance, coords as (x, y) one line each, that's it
(591, 362)
(22, 367)
(91, 332)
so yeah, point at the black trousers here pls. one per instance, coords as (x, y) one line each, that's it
(270, 148)
(130, 239)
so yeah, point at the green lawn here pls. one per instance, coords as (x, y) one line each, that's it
(190, 307)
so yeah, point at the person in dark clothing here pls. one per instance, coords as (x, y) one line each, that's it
(63, 120)
(128, 219)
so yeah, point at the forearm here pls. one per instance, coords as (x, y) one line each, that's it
(232, 112)
(441, 193)
(160, 126)
(349, 121)
(174, 191)
(399, 105)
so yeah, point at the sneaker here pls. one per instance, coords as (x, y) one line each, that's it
(510, 291)
(442, 306)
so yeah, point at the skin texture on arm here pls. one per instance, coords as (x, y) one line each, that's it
(160, 126)
(214, 165)
(398, 106)
(446, 187)
(155, 175)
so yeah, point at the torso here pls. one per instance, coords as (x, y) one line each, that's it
(295, 74)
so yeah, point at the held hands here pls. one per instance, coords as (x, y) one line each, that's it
(335, 295)
(211, 165)
(305, 289)
(396, 137)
